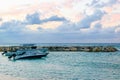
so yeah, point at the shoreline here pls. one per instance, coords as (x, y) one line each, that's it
(8, 77)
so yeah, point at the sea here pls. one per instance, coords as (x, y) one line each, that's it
(66, 65)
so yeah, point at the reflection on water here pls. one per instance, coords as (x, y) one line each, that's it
(65, 66)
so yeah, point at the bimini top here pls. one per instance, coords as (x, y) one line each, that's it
(26, 45)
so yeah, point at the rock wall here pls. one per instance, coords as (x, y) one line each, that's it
(73, 48)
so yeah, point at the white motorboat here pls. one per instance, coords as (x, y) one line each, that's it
(29, 51)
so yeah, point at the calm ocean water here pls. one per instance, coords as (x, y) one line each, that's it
(66, 66)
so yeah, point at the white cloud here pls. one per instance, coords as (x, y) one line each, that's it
(117, 30)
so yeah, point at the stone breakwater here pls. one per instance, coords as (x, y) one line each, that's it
(72, 48)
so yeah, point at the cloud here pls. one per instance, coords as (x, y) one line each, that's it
(84, 23)
(102, 3)
(33, 22)
(117, 30)
(95, 27)
(109, 21)
(33, 18)
(12, 26)
(54, 18)
(67, 27)
(44, 27)
(0, 19)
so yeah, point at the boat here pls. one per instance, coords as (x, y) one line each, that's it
(27, 51)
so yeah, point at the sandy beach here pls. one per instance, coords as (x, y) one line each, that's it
(7, 77)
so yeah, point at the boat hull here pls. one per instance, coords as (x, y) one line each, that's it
(31, 56)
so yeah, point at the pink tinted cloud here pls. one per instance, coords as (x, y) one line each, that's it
(112, 18)
(46, 9)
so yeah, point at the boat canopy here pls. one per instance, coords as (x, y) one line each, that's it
(26, 45)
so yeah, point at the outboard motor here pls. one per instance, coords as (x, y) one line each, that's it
(4, 52)
(13, 55)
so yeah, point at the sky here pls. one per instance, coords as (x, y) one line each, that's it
(60, 21)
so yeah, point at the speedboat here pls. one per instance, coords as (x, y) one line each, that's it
(27, 52)
(23, 54)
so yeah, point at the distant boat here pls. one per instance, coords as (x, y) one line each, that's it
(27, 51)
